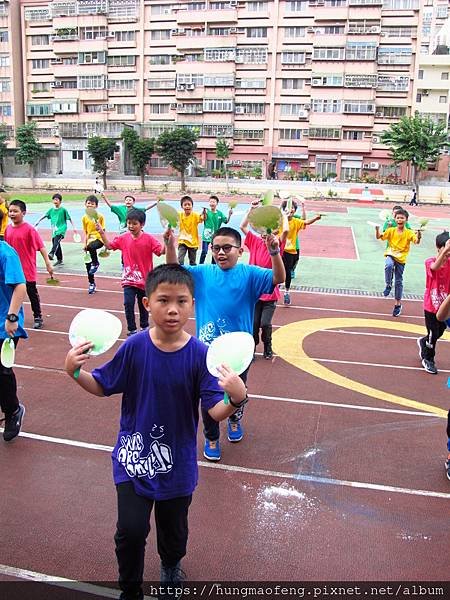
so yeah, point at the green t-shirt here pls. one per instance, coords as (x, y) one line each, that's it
(58, 219)
(121, 212)
(213, 222)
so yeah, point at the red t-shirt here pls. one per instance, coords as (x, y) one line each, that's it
(26, 241)
(437, 286)
(259, 256)
(137, 257)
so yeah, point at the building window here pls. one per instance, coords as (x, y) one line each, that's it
(91, 82)
(256, 6)
(292, 110)
(212, 31)
(249, 82)
(126, 109)
(37, 40)
(77, 154)
(158, 163)
(5, 110)
(442, 99)
(400, 4)
(444, 76)
(40, 86)
(326, 105)
(296, 6)
(419, 98)
(4, 35)
(250, 108)
(36, 63)
(159, 109)
(361, 51)
(391, 55)
(122, 84)
(94, 58)
(290, 134)
(292, 83)
(327, 80)
(256, 32)
(293, 58)
(195, 79)
(122, 61)
(391, 112)
(217, 130)
(39, 110)
(93, 108)
(359, 106)
(393, 83)
(294, 32)
(353, 134)
(420, 74)
(251, 56)
(328, 54)
(125, 36)
(160, 59)
(160, 34)
(249, 134)
(161, 84)
(218, 80)
(5, 85)
(324, 133)
(93, 33)
(217, 105)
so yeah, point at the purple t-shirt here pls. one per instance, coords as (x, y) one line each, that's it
(157, 442)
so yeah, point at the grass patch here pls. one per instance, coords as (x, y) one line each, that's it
(40, 197)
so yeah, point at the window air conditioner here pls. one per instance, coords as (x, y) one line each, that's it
(174, 32)
(233, 29)
(317, 81)
(424, 92)
(190, 86)
(303, 114)
(310, 30)
(110, 106)
(374, 165)
(233, 3)
(378, 114)
(375, 139)
(181, 87)
(366, 166)
(173, 106)
(182, 31)
(55, 84)
(239, 110)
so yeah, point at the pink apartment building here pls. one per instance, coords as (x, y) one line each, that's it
(308, 84)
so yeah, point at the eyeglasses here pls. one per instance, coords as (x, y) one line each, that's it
(226, 248)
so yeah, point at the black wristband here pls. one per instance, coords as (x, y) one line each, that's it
(244, 401)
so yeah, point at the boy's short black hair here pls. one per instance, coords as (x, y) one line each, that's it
(213, 197)
(402, 211)
(441, 239)
(397, 207)
(129, 196)
(285, 203)
(92, 198)
(184, 198)
(20, 203)
(57, 197)
(229, 232)
(135, 214)
(173, 274)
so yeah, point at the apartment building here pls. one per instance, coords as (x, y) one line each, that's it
(11, 91)
(310, 84)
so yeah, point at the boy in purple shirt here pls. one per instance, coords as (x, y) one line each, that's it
(162, 375)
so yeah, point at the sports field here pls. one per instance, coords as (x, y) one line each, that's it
(340, 473)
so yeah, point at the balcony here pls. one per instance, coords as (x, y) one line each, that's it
(188, 17)
(195, 42)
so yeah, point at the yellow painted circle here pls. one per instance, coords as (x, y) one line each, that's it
(288, 344)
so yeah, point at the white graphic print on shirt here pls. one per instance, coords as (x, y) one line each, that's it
(158, 460)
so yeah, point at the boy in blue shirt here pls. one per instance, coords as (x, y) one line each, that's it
(162, 375)
(12, 294)
(225, 298)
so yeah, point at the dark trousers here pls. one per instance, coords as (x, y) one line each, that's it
(289, 260)
(56, 246)
(9, 401)
(262, 319)
(205, 246)
(35, 301)
(191, 252)
(130, 294)
(435, 330)
(92, 249)
(211, 428)
(133, 527)
(448, 431)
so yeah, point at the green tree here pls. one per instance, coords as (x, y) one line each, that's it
(177, 147)
(28, 148)
(140, 149)
(101, 150)
(3, 148)
(417, 140)
(223, 152)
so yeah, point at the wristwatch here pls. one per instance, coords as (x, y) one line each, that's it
(12, 318)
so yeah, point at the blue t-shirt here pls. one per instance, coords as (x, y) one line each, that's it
(225, 298)
(156, 447)
(11, 274)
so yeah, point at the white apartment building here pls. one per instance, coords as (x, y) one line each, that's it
(310, 84)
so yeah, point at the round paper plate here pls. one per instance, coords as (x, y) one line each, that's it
(77, 238)
(233, 349)
(8, 353)
(265, 219)
(97, 326)
(168, 216)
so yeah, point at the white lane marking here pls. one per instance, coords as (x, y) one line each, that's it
(78, 586)
(355, 244)
(282, 398)
(261, 472)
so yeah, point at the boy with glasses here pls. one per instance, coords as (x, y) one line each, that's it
(225, 298)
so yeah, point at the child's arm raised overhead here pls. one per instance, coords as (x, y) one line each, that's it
(418, 236)
(233, 385)
(103, 195)
(244, 223)
(75, 359)
(102, 233)
(169, 242)
(278, 272)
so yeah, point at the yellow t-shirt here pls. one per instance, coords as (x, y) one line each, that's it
(88, 225)
(189, 229)
(398, 243)
(3, 218)
(295, 225)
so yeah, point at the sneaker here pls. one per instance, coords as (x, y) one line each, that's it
(292, 274)
(13, 424)
(287, 298)
(58, 263)
(235, 431)
(387, 291)
(91, 289)
(51, 255)
(447, 468)
(93, 269)
(429, 366)
(129, 596)
(172, 580)
(397, 310)
(421, 343)
(38, 323)
(132, 332)
(211, 450)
